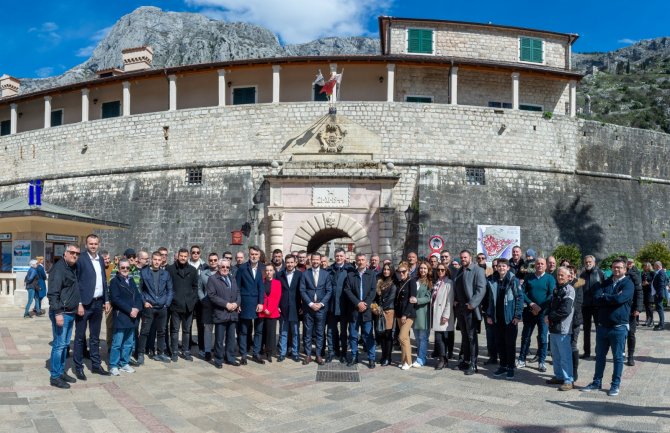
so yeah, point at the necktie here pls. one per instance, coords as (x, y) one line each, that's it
(360, 287)
(316, 282)
(227, 281)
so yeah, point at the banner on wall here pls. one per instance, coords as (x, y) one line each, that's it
(497, 241)
(21, 256)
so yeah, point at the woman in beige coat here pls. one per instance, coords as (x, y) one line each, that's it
(443, 317)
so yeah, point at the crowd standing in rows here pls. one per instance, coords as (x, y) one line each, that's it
(238, 304)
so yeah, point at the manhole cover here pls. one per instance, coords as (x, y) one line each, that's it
(337, 376)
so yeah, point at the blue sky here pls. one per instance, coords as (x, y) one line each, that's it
(45, 38)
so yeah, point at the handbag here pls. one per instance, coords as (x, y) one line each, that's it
(380, 321)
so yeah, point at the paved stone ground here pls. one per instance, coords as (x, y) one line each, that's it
(188, 397)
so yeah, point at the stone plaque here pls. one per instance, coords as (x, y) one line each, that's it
(333, 196)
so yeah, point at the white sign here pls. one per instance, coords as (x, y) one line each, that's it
(62, 238)
(5, 236)
(496, 242)
(334, 196)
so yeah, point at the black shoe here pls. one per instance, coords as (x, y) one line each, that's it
(161, 358)
(343, 359)
(658, 327)
(257, 359)
(371, 364)
(187, 356)
(208, 356)
(79, 374)
(58, 382)
(352, 361)
(329, 359)
(296, 359)
(385, 363)
(630, 362)
(233, 363)
(243, 360)
(174, 358)
(440, 364)
(101, 371)
(470, 371)
(68, 379)
(319, 360)
(281, 358)
(463, 366)
(269, 358)
(585, 356)
(140, 359)
(491, 361)
(218, 365)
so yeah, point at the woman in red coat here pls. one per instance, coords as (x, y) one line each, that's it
(270, 313)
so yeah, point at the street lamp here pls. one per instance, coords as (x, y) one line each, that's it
(409, 214)
(253, 216)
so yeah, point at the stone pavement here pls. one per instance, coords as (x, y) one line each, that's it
(284, 397)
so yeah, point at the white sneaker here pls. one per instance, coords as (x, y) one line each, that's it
(127, 368)
(114, 371)
(416, 364)
(405, 366)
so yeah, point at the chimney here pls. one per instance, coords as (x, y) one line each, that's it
(9, 86)
(137, 59)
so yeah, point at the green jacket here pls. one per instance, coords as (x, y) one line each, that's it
(422, 307)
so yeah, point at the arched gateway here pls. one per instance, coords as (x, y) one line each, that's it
(319, 229)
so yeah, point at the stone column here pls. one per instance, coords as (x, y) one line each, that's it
(515, 90)
(172, 79)
(126, 98)
(275, 83)
(453, 85)
(573, 98)
(386, 232)
(222, 87)
(390, 82)
(276, 230)
(84, 104)
(13, 117)
(47, 112)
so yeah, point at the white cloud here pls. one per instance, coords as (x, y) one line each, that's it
(298, 21)
(44, 72)
(87, 51)
(47, 32)
(627, 41)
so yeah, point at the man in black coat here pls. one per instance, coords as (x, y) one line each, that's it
(338, 310)
(185, 287)
(360, 288)
(290, 306)
(638, 304)
(593, 277)
(469, 290)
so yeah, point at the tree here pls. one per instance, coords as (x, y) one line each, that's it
(654, 251)
(606, 263)
(570, 253)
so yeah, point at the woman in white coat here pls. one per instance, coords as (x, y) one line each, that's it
(443, 317)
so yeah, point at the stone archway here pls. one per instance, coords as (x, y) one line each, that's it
(331, 221)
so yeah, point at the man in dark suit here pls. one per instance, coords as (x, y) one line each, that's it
(315, 290)
(290, 306)
(360, 289)
(185, 287)
(469, 291)
(249, 279)
(659, 287)
(93, 300)
(338, 310)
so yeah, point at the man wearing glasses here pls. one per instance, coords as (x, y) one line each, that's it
(93, 299)
(64, 300)
(206, 315)
(198, 263)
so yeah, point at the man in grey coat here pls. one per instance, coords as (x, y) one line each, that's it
(469, 291)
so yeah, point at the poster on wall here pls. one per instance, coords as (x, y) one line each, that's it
(497, 241)
(21, 253)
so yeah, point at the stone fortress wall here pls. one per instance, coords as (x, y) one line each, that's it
(562, 179)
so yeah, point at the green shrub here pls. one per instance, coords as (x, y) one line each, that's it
(654, 251)
(570, 253)
(606, 263)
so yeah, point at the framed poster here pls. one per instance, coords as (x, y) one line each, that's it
(497, 241)
(21, 255)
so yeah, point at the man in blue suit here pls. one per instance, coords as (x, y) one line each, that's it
(93, 299)
(659, 287)
(360, 290)
(338, 310)
(315, 289)
(249, 279)
(290, 306)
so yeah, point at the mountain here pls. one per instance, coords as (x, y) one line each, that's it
(629, 86)
(180, 38)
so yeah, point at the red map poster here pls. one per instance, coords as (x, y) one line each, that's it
(497, 241)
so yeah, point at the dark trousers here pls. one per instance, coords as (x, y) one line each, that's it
(224, 332)
(336, 339)
(468, 324)
(659, 310)
(93, 318)
(575, 352)
(247, 328)
(505, 335)
(153, 318)
(491, 344)
(270, 336)
(648, 304)
(444, 343)
(590, 315)
(632, 327)
(314, 321)
(200, 326)
(386, 342)
(182, 320)
(530, 321)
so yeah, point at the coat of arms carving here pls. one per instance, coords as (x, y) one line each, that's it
(331, 137)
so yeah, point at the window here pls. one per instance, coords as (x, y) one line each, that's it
(420, 41)
(530, 107)
(194, 176)
(57, 117)
(475, 176)
(244, 95)
(531, 50)
(111, 109)
(5, 127)
(421, 99)
(318, 96)
(496, 104)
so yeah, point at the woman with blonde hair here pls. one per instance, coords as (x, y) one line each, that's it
(404, 312)
(442, 301)
(421, 323)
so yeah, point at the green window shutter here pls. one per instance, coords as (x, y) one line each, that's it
(5, 127)
(420, 99)
(420, 41)
(57, 118)
(111, 109)
(536, 49)
(530, 50)
(244, 95)
(318, 96)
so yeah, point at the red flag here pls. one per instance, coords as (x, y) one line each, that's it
(328, 87)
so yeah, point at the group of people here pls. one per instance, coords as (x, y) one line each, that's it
(238, 304)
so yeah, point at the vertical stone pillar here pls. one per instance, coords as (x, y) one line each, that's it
(573, 98)
(390, 82)
(275, 83)
(515, 90)
(173, 92)
(13, 118)
(276, 230)
(126, 98)
(222, 87)
(453, 85)
(386, 232)
(84, 104)
(47, 112)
